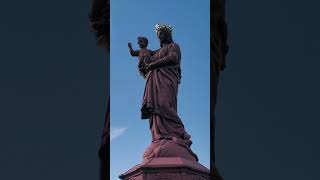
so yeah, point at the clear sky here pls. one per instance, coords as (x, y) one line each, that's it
(130, 19)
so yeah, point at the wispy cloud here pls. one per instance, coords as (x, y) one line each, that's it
(116, 132)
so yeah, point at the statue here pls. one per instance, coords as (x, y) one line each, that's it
(144, 54)
(169, 155)
(159, 105)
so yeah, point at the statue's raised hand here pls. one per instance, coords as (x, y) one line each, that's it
(129, 45)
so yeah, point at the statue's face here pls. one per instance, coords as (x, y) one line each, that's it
(142, 43)
(162, 36)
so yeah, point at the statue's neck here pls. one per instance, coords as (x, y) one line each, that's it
(165, 43)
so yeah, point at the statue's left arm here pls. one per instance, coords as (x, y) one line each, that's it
(173, 58)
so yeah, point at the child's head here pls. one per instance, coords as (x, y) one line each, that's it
(143, 42)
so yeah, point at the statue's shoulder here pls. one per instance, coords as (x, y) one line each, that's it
(175, 45)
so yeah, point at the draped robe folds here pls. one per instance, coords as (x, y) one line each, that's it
(169, 137)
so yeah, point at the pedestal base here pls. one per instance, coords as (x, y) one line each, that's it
(170, 168)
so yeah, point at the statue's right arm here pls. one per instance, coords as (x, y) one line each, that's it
(133, 52)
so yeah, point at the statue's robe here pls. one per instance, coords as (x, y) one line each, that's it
(160, 104)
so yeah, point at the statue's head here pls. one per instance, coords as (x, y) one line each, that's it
(143, 42)
(164, 33)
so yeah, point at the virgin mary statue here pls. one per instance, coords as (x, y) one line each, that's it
(163, 74)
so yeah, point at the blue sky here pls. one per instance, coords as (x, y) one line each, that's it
(130, 19)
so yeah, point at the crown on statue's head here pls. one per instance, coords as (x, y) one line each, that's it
(159, 27)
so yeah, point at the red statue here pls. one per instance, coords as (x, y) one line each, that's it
(162, 74)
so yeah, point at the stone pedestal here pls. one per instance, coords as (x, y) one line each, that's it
(167, 168)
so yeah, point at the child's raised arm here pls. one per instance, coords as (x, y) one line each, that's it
(132, 52)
